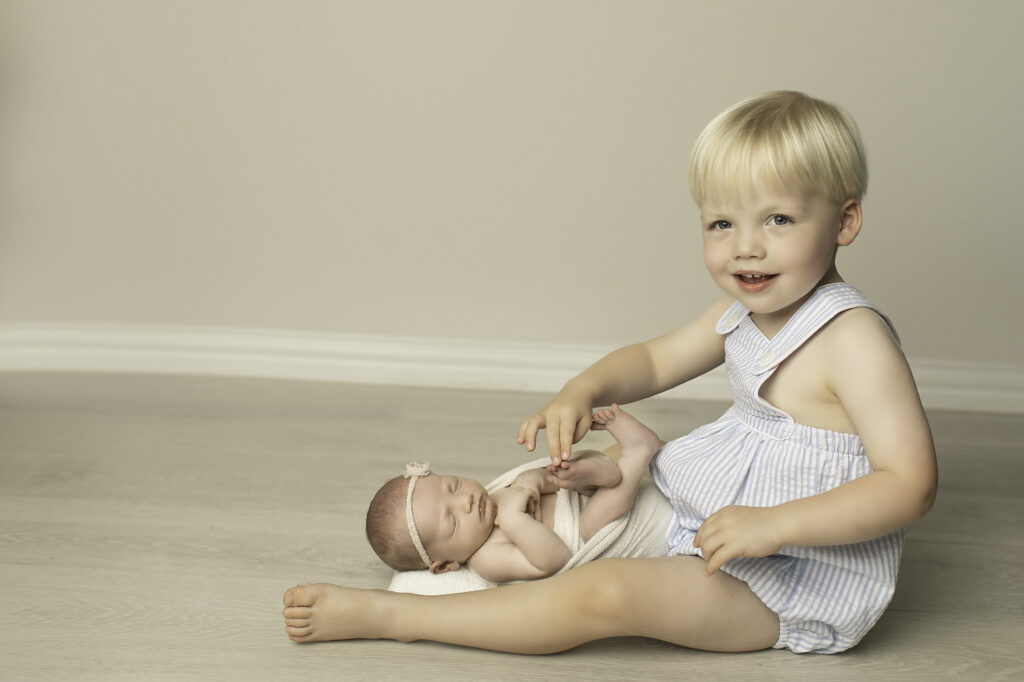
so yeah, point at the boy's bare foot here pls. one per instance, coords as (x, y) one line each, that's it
(585, 473)
(636, 439)
(323, 612)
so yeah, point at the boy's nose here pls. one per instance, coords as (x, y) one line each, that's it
(747, 244)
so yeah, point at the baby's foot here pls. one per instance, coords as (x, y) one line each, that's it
(323, 612)
(634, 438)
(585, 473)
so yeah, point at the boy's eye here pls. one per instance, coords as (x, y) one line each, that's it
(780, 220)
(720, 225)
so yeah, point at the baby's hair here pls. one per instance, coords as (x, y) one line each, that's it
(386, 528)
(789, 137)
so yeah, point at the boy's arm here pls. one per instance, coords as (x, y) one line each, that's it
(873, 382)
(533, 550)
(627, 375)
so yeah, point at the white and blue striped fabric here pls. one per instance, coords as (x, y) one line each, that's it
(827, 598)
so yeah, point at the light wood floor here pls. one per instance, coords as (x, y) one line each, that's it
(149, 526)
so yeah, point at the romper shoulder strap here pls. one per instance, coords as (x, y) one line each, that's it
(731, 318)
(823, 305)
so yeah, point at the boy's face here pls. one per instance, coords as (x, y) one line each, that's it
(454, 516)
(770, 248)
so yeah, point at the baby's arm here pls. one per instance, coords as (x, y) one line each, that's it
(871, 378)
(627, 375)
(532, 550)
(535, 479)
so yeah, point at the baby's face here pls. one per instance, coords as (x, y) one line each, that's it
(454, 516)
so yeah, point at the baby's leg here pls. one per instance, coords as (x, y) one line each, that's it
(638, 444)
(668, 599)
(585, 472)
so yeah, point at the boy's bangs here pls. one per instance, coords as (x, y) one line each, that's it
(783, 139)
(737, 165)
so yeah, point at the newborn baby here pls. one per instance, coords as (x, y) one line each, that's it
(442, 522)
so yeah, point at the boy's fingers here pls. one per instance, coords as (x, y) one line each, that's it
(566, 431)
(717, 559)
(521, 433)
(581, 429)
(528, 432)
(554, 448)
(523, 437)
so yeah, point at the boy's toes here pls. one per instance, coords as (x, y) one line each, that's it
(298, 633)
(300, 595)
(291, 612)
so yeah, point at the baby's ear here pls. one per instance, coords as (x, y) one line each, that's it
(444, 566)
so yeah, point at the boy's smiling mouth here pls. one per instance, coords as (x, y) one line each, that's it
(754, 281)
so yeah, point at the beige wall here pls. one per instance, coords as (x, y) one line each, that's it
(485, 170)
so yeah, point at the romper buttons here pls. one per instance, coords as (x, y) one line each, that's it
(767, 359)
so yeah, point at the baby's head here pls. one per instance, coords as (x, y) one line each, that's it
(785, 139)
(427, 520)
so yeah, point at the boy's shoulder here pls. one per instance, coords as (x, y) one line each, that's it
(854, 328)
(859, 341)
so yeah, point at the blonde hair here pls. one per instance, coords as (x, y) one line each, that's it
(788, 137)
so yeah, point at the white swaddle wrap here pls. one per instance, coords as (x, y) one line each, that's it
(640, 533)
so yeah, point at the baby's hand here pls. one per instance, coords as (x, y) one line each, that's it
(737, 531)
(516, 501)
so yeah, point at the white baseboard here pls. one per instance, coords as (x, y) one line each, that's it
(409, 361)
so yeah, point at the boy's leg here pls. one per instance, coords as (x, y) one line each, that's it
(638, 444)
(670, 599)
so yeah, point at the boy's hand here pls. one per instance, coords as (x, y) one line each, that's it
(737, 531)
(515, 501)
(566, 419)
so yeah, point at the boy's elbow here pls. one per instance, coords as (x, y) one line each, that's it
(928, 500)
(924, 497)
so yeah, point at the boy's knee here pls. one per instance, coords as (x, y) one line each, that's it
(606, 597)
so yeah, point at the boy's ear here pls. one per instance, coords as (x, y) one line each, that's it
(850, 219)
(444, 566)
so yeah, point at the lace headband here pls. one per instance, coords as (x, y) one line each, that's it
(415, 471)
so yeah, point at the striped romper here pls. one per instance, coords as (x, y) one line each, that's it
(826, 598)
